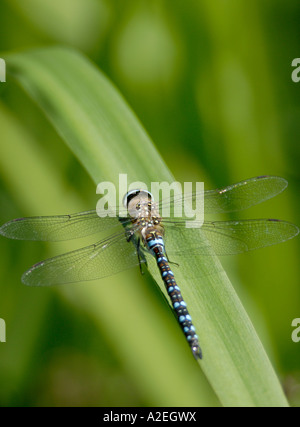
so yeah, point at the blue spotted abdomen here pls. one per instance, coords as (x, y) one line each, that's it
(155, 244)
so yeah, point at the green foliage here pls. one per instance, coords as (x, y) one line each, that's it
(211, 110)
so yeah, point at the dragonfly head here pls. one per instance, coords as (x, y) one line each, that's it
(138, 195)
(134, 200)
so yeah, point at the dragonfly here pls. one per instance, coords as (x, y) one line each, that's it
(145, 232)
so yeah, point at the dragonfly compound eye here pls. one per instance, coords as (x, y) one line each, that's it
(138, 195)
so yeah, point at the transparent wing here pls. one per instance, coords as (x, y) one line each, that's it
(109, 256)
(228, 237)
(59, 227)
(236, 197)
(233, 198)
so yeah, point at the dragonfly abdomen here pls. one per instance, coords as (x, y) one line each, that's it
(156, 245)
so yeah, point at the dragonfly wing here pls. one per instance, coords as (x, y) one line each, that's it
(229, 237)
(110, 256)
(58, 228)
(236, 197)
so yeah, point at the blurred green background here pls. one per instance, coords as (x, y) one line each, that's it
(211, 83)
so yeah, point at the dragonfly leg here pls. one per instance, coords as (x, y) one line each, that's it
(141, 258)
(129, 235)
(170, 262)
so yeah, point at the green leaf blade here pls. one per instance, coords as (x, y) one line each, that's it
(101, 130)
